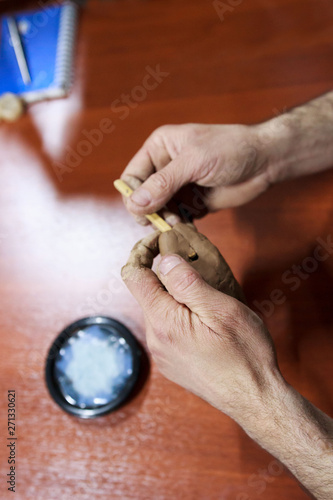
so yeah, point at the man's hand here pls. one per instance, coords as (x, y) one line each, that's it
(200, 338)
(224, 159)
(232, 163)
(216, 347)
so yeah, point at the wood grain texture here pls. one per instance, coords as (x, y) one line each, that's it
(62, 243)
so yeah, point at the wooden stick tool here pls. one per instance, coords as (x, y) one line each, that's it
(155, 219)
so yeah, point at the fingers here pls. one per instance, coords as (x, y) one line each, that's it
(170, 217)
(187, 287)
(140, 166)
(159, 188)
(149, 293)
(237, 194)
(152, 157)
(158, 165)
(143, 253)
(143, 283)
(133, 183)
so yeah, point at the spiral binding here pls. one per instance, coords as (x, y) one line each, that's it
(63, 77)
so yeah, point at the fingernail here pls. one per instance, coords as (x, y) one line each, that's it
(169, 262)
(141, 220)
(141, 197)
(172, 220)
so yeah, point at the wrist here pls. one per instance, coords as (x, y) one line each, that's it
(294, 431)
(276, 144)
(262, 405)
(298, 142)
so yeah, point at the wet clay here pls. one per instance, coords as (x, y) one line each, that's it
(196, 249)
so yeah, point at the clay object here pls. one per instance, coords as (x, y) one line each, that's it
(195, 248)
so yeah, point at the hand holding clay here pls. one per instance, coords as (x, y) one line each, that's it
(216, 347)
(204, 257)
(205, 340)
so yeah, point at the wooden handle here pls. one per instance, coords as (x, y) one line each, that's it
(155, 219)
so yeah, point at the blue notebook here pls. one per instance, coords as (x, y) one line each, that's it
(47, 37)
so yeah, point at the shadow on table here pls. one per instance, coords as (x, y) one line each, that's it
(300, 322)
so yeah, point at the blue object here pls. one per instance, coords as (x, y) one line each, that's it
(47, 37)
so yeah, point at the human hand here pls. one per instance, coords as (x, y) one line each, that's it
(219, 349)
(200, 338)
(226, 160)
(185, 241)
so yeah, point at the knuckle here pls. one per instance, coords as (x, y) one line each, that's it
(209, 168)
(159, 134)
(161, 180)
(231, 317)
(132, 181)
(195, 132)
(186, 282)
(162, 130)
(224, 316)
(233, 308)
(236, 321)
(230, 323)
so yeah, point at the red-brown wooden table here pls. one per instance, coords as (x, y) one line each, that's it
(62, 243)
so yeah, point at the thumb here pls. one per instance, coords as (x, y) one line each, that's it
(187, 287)
(159, 188)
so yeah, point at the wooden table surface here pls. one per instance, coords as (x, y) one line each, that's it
(63, 239)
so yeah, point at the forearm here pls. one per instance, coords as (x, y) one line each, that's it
(299, 142)
(299, 435)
